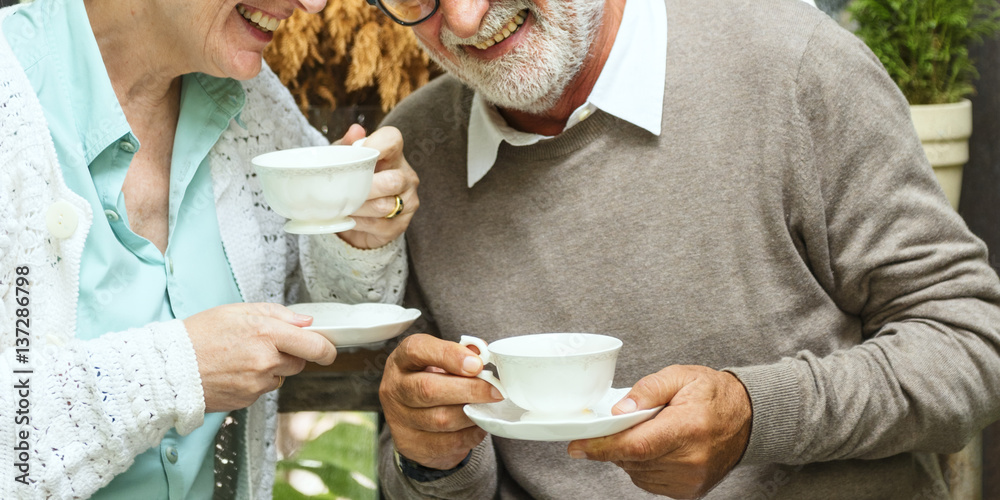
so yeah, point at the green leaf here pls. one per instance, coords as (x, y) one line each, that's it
(285, 491)
(923, 44)
(340, 457)
(342, 484)
(348, 446)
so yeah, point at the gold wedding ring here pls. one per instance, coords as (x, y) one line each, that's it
(281, 381)
(398, 210)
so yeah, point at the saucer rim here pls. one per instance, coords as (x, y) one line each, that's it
(295, 226)
(531, 430)
(379, 332)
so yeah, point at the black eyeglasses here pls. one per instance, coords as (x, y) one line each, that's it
(407, 12)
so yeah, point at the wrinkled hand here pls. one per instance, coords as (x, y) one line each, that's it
(426, 382)
(689, 446)
(393, 176)
(243, 348)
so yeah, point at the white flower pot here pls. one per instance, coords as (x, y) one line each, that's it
(944, 131)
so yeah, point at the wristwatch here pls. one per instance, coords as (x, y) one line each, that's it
(422, 474)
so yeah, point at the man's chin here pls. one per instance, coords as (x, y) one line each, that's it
(500, 88)
(535, 108)
(510, 92)
(512, 98)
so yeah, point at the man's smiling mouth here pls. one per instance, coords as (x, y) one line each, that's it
(509, 29)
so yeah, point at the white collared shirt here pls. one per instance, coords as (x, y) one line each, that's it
(630, 88)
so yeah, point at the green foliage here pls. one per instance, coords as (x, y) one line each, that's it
(924, 44)
(337, 456)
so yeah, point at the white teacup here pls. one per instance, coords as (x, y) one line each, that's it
(318, 187)
(550, 374)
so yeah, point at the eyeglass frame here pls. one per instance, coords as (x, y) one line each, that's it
(378, 3)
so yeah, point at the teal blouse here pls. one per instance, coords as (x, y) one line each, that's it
(124, 279)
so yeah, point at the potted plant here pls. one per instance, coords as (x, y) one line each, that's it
(924, 46)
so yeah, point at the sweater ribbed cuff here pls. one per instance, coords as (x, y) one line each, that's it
(777, 404)
(381, 255)
(182, 375)
(354, 274)
(481, 466)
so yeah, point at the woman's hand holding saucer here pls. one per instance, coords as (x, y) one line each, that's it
(245, 350)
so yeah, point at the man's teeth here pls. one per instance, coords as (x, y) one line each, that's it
(512, 26)
(263, 21)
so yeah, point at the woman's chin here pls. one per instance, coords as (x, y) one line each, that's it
(245, 66)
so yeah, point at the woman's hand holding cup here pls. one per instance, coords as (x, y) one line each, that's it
(393, 197)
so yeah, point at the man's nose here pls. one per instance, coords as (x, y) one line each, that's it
(463, 17)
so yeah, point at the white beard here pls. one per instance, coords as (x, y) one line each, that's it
(532, 77)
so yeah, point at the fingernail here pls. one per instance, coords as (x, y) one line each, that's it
(302, 318)
(495, 393)
(578, 454)
(626, 405)
(471, 364)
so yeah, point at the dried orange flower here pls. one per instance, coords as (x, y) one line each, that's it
(348, 54)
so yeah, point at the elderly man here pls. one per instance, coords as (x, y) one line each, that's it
(732, 188)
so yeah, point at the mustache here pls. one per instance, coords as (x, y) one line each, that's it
(498, 15)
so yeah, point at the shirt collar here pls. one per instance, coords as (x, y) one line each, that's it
(630, 87)
(226, 93)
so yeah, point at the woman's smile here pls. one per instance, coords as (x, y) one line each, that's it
(258, 19)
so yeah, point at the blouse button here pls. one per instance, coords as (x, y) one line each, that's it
(61, 219)
(172, 454)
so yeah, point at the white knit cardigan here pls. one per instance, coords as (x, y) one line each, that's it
(92, 406)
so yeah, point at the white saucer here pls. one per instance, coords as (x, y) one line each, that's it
(351, 325)
(505, 419)
(335, 226)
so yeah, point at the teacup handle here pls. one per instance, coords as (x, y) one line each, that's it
(484, 355)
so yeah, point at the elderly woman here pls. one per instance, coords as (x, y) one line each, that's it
(141, 270)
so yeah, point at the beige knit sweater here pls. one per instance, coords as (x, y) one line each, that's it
(785, 224)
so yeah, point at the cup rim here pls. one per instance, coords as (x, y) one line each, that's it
(268, 160)
(496, 347)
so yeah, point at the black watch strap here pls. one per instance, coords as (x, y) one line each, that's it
(422, 474)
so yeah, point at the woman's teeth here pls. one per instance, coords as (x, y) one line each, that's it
(512, 26)
(261, 20)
